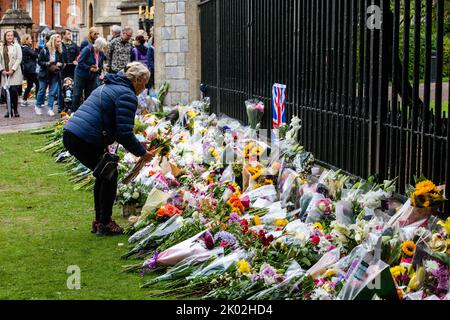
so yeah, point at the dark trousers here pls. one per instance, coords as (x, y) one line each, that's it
(105, 191)
(81, 86)
(31, 80)
(14, 96)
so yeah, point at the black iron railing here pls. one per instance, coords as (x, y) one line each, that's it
(358, 74)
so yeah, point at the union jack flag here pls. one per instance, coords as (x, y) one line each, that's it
(278, 105)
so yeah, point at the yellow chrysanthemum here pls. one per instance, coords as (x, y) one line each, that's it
(318, 225)
(256, 220)
(281, 222)
(397, 271)
(408, 248)
(243, 266)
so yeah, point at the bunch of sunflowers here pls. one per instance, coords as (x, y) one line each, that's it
(426, 195)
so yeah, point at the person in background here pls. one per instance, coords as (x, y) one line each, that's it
(91, 37)
(70, 54)
(143, 33)
(88, 70)
(115, 31)
(50, 61)
(18, 40)
(110, 108)
(139, 52)
(119, 51)
(29, 61)
(11, 72)
(151, 59)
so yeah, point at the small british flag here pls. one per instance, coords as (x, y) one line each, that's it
(278, 105)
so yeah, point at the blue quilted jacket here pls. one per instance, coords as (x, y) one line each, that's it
(119, 104)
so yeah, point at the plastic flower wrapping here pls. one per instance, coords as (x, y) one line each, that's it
(228, 215)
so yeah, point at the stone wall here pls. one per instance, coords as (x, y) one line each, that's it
(177, 49)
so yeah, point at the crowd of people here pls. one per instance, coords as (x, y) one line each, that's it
(65, 72)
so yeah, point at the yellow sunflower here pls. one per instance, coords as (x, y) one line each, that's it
(257, 151)
(408, 248)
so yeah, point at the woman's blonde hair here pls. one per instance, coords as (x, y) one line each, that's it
(100, 43)
(89, 37)
(25, 38)
(51, 44)
(136, 71)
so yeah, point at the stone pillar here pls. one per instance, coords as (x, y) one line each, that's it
(177, 49)
(18, 20)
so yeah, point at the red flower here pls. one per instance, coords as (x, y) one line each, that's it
(315, 240)
(224, 244)
(244, 225)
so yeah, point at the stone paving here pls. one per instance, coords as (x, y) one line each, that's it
(28, 119)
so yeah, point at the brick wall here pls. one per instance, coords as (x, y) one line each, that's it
(64, 13)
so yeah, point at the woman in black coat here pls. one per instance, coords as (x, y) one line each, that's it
(29, 61)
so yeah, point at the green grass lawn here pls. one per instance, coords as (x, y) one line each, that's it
(45, 227)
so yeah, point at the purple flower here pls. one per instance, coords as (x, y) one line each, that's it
(234, 218)
(225, 236)
(268, 271)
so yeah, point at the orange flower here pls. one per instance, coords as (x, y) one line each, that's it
(168, 210)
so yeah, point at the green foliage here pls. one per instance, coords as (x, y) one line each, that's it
(45, 227)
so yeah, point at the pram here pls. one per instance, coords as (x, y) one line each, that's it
(67, 92)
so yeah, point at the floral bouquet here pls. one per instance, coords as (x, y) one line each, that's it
(160, 140)
(255, 113)
(132, 194)
(426, 194)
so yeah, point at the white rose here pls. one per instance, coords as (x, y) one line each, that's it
(135, 195)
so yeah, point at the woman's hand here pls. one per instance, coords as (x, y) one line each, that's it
(59, 64)
(148, 156)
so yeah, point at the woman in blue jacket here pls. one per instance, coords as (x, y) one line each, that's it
(88, 70)
(107, 116)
